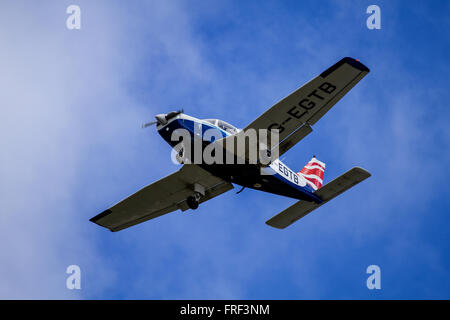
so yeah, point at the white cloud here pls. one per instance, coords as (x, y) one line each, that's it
(66, 110)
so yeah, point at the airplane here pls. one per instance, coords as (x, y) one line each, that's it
(292, 118)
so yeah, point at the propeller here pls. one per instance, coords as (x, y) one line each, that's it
(163, 118)
(148, 124)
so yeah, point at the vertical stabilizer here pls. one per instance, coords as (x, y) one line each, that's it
(313, 173)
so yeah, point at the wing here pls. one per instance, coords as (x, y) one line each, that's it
(326, 193)
(294, 115)
(161, 197)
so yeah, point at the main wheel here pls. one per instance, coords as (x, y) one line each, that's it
(192, 202)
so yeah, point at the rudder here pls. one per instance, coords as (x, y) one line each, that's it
(313, 173)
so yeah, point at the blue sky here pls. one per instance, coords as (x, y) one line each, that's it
(73, 103)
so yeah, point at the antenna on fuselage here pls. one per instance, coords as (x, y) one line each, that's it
(242, 189)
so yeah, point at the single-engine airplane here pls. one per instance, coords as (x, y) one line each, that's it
(292, 117)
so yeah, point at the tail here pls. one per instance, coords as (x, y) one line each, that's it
(313, 173)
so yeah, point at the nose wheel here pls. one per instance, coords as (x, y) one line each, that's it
(180, 156)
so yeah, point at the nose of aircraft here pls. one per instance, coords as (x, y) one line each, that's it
(161, 118)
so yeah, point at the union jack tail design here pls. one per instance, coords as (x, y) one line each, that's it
(313, 173)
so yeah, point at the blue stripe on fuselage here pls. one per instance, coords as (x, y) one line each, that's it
(187, 125)
(306, 190)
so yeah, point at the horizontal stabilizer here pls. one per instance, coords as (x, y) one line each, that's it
(326, 193)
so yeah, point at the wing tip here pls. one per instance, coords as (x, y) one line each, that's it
(100, 216)
(351, 61)
(366, 174)
(357, 64)
(273, 223)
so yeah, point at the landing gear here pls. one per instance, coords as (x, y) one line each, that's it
(192, 201)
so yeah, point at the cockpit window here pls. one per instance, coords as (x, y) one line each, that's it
(227, 127)
(222, 125)
(212, 121)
